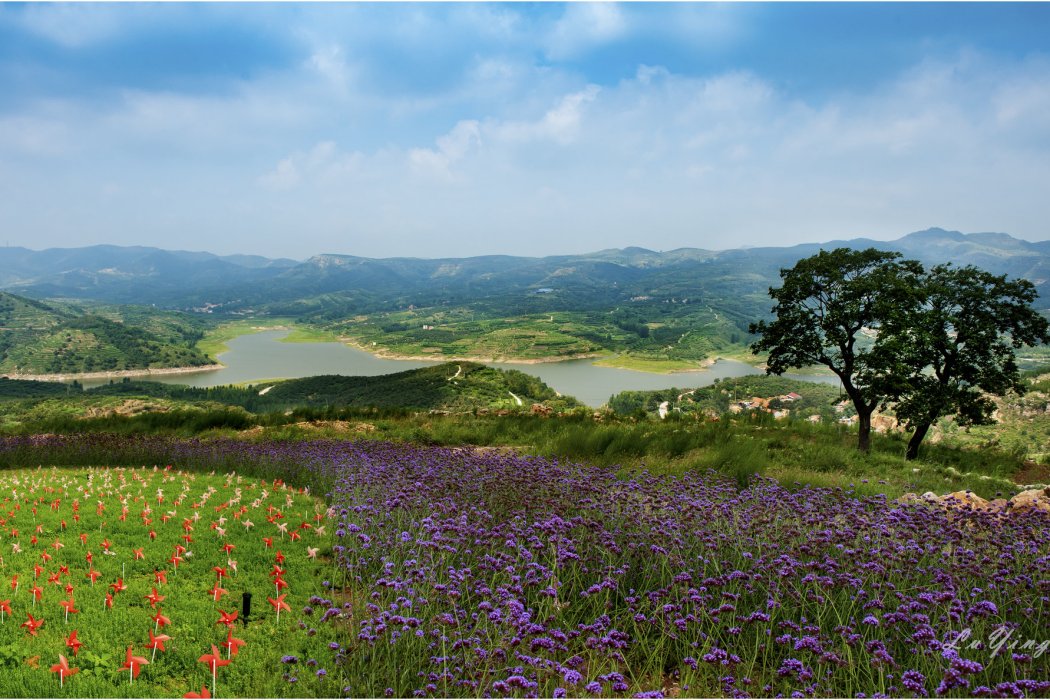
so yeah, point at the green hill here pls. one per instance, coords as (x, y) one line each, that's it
(450, 386)
(454, 387)
(51, 338)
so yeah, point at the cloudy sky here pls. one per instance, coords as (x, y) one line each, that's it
(467, 129)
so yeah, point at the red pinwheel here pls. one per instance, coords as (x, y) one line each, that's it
(109, 601)
(214, 660)
(279, 557)
(160, 577)
(228, 548)
(226, 618)
(69, 606)
(62, 669)
(156, 641)
(118, 586)
(154, 597)
(138, 554)
(278, 604)
(268, 541)
(160, 620)
(32, 624)
(220, 571)
(233, 645)
(5, 608)
(73, 643)
(203, 694)
(133, 664)
(37, 591)
(216, 592)
(93, 574)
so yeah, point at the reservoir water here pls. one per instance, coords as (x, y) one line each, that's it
(261, 356)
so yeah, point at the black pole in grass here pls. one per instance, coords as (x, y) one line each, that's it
(246, 606)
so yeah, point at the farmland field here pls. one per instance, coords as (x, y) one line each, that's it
(453, 572)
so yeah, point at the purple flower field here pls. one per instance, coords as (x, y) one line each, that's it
(464, 574)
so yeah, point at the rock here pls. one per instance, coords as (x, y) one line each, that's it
(964, 499)
(997, 505)
(930, 497)
(539, 409)
(909, 498)
(1033, 499)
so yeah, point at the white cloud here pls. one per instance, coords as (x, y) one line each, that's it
(584, 26)
(451, 148)
(320, 165)
(73, 25)
(560, 124)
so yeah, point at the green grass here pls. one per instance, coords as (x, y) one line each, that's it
(107, 633)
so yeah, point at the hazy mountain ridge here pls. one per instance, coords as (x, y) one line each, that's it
(183, 279)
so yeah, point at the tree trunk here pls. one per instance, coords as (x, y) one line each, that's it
(916, 439)
(864, 431)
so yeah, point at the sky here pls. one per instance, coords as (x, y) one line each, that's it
(453, 130)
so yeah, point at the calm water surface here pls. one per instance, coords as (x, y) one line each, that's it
(260, 356)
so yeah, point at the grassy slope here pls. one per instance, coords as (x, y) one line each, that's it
(791, 450)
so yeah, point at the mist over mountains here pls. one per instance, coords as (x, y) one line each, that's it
(331, 283)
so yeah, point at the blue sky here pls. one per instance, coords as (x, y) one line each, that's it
(466, 129)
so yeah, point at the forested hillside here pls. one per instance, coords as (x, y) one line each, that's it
(44, 338)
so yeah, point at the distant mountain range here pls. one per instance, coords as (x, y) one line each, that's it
(178, 279)
(664, 310)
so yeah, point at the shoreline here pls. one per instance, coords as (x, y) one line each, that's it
(384, 354)
(112, 374)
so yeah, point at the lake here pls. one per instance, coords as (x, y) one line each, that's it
(261, 356)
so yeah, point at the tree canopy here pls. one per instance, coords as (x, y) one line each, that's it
(929, 343)
(829, 311)
(956, 347)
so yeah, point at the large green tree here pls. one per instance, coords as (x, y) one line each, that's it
(957, 347)
(830, 311)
